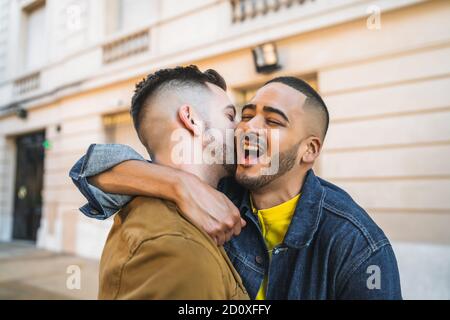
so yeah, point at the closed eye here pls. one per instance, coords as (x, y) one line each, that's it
(272, 122)
(230, 117)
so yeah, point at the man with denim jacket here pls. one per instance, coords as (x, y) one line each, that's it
(332, 249)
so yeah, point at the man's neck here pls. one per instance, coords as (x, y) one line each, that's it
(279, 190)
(210, 174)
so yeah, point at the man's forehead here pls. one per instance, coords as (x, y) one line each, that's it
(215, 89)
(219, 93)
(278, 95)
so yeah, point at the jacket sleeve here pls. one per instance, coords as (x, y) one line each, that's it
(172, 267)
(375, 277)
(100, 158)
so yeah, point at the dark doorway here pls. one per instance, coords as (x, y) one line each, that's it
(29, 181)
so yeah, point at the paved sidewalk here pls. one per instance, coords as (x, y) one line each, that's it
(30, 273)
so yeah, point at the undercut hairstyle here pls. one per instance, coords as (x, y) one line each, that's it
(313, 99)
(189, 76)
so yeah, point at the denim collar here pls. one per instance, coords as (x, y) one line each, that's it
(307, 214)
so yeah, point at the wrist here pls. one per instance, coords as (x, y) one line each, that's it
(179, 193)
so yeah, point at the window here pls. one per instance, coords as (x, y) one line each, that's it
(35, 43)
(130, 14)
(134, 13)
(4, 20)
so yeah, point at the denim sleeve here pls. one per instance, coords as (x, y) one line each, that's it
(99, 158)
(374, 277)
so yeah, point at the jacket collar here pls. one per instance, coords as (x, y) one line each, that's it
(307, 214)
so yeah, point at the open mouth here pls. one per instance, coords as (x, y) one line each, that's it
(253, 148)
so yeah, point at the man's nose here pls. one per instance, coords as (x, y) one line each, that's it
(254, 124)
(255, 127)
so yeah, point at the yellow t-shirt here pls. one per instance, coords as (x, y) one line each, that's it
(274, 223)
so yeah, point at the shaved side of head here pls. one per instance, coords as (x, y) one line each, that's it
(160, 111)
(317, 123)
(157, 97)
(318, 116)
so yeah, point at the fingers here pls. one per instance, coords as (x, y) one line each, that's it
(232, 227)
(223, 231)
(237, 229)
(234, 220)
(220, 238)
(232, 223)
(214, 213)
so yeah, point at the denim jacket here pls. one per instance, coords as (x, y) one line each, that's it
(332, 249)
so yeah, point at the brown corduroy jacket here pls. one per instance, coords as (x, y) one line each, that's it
(153, 252)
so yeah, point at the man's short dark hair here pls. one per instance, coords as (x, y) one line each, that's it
(188, 76)
(312, 97)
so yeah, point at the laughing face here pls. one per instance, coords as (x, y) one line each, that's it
(269, 137)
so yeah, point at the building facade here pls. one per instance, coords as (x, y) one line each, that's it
(68, 70)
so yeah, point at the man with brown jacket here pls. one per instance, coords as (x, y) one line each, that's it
(153, 251)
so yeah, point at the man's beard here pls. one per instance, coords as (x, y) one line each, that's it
(229, 154)
(287, 161)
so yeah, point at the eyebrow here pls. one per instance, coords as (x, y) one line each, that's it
(266, 109)
(248, 106)
(277, 111)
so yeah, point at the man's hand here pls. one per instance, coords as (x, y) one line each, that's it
(208, 208)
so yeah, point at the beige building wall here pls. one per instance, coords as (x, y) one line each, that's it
(387, 91)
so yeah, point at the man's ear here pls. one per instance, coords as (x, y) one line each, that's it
(189, 119)
(313, 146)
